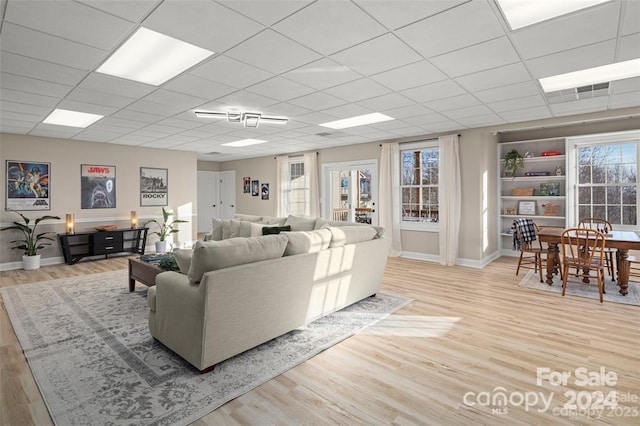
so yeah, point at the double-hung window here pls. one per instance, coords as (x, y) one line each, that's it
(419, 168)
(298, 189)
(603, 173)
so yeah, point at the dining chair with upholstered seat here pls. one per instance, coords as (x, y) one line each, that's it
(583, 250)
(525, 231)
(603, 226)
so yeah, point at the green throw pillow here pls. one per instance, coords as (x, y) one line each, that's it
(267, 230)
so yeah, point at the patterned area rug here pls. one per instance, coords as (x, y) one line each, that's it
(90, 351)
(532, 280)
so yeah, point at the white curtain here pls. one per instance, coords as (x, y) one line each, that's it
(282, 185)
(389, 199)
(311, 170)
(450, 199)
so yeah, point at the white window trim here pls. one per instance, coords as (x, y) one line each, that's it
(298, 159)
(417, 226)
(579, 141)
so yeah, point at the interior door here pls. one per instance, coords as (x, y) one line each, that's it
(227, 194)
(208, 199)
(350, 191)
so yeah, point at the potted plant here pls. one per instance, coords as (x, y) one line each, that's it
(32, 241)
(165, 229)
(512, 162)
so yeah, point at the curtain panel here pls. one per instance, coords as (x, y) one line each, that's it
(450, 199)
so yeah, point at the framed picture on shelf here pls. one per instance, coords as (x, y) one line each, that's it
(527, 208)
(510, 211)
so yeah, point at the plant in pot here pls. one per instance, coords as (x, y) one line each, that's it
(32, 241)
(165, 229)
(513, 161)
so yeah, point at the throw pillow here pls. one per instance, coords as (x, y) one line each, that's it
(240, 228)
(212, 255)
(323, 223)
(183, 258)
(272, 220)
(300, 242)
(299, 223)
(274, 229)
(247, 217)
(341, 235)
(216, 234)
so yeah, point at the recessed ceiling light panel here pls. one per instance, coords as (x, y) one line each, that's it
(63, 117)
(152, 58)
(245, 142)
(521, 13)
(359, 120)
(602, 74)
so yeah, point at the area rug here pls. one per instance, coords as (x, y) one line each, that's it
(532, 280)
(90, 351)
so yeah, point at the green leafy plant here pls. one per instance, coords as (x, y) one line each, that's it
(166, 227)
(168, 263)
(32, 241)
(513, 161)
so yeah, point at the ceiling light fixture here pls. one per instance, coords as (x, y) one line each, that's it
(152, 58)
(359, 120)
(63, 117)
(245, 142)
(519, 13)
(249, 119)
(601, 74)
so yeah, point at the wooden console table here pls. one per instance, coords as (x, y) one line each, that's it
(96, 243)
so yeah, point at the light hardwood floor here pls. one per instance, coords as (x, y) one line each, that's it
(468, 330)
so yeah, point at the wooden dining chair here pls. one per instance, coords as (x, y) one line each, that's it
(603, 226)
(530, 250)
(583, 250)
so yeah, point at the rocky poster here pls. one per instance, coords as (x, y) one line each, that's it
(97, 187)
(154, 187)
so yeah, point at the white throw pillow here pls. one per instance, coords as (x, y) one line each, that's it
(183, 259)
(299, 223)
(301, 242)
(341, 235)
(247, 217)
(240, 228)
(212, 255)
(216, 234)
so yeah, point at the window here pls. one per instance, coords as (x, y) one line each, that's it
(605, 179)
(420, 164)
(299, 191)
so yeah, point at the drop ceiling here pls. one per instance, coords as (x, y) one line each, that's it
(434, 65)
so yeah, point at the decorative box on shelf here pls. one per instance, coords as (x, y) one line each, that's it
(522, 192)
(551, 209)
(550, 153)
(537, 173)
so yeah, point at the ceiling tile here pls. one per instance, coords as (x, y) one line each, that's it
(519, 103)
(245, 101)
(118, 86)
(317, 101)
(99, 98)
(73, 21)
(51, 131)
(631, 20)
(568, 32)
(358, 90)
(225, 70)
(481, 120)
(346, 111)
(32, 85)
(328, 26)
(28, 98)
(629, 47)
(202, 23)
(478, 24)
(6, 105)
(280, 88)
(199, 87)
(129, 114)
(626, 85)
(273, 52)
(133, 11)
(398, 13)
(426, 119)
(527, 114)
(470, 111)
(579, 107)
(86, 107)
(479, 57)
(511, 91)
(41, 70)
(37, 45)
(377, 55)
(574, 60)
(430, 92)
(407, 112)
(392, 100)
(178, 100)
(412, 75)
(495, 77)
(288, 109)
(452, 102)
(322, 74)
(267, 12)
(625, 100)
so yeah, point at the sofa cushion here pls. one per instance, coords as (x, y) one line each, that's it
(239, 228)
(151, 298)
(212, 255)
(300, 242)
(183, 259)
(216, 233)
(299, 223)
(323, 223)
(341, 235)
(272, 220)
(247, 217)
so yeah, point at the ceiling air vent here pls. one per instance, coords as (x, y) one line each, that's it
(577, 93)
(332, 135)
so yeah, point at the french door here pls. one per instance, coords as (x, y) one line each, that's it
(350, 191)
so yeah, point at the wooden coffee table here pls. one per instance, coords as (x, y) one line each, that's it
(142, 272)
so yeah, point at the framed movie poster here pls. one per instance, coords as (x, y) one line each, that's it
(246, 185)
(265, 191)
(97, 187)
(255, 190)
(154, 187)
(28, 185)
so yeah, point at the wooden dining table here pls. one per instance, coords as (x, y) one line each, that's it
(622, 241)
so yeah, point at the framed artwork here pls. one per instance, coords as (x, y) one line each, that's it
(264, 190)
(255, 190)
(552, 189)
(28, 185)
(246, 185)
(527, 208)
(154, 186)
(97, 186)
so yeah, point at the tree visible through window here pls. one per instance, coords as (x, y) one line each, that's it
(419, 184)
(607, 182)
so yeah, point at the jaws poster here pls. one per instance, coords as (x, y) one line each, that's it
(98, 187)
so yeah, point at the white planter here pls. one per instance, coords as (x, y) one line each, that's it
(161, 246)
(29, 263)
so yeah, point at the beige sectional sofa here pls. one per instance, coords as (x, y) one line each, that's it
(233, 294)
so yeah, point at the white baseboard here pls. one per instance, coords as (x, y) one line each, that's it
(470, 263)
(421, 256)
(45, 261)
